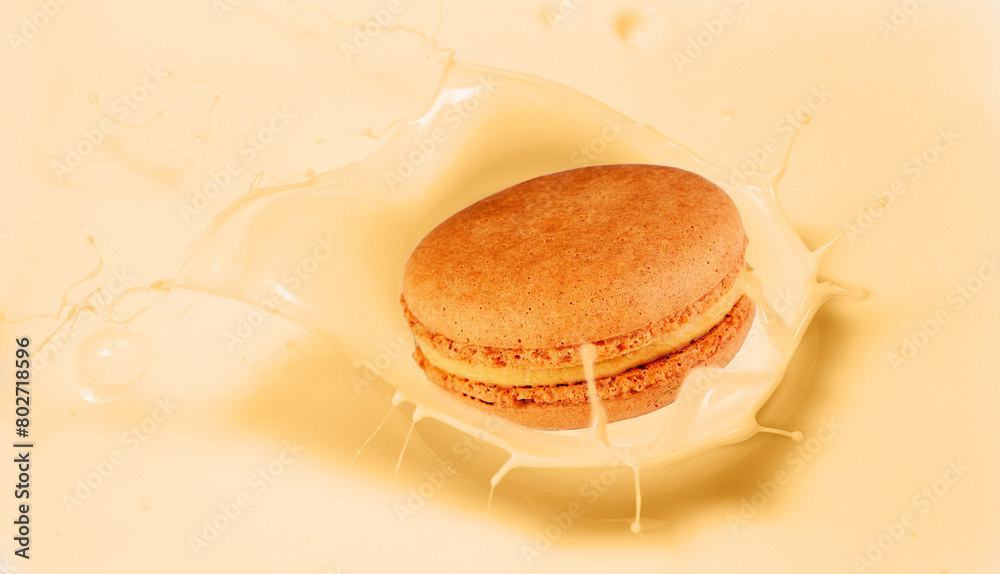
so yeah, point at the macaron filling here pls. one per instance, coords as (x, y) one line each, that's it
(671, 342)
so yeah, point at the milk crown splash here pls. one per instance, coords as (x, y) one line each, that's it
(328, 254)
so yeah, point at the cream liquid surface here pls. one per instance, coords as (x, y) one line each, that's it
(210, 411)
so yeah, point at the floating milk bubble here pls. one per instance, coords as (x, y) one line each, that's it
(109, 361)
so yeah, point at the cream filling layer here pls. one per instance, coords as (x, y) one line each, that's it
(512, 377)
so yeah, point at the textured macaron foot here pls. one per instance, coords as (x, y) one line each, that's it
(635, 392)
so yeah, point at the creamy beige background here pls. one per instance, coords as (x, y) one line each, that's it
(174, 90)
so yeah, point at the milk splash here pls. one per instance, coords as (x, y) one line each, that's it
(327, 252)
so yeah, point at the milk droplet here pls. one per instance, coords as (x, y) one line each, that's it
(629, 27)
(641, 29)
(109, 362)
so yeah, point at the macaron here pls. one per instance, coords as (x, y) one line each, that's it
(642, 261)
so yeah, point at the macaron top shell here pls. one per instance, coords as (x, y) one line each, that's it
(575, 256)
